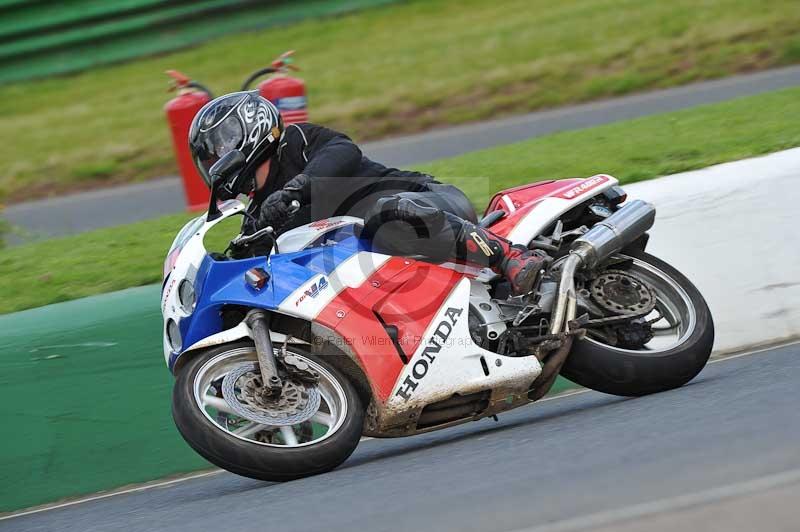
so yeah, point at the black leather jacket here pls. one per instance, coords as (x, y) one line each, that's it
(344, 181)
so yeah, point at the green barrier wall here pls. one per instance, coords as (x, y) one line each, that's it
(85, 399)
(42, 38)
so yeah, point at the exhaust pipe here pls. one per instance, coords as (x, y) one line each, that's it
(598, 244)
(614, 233)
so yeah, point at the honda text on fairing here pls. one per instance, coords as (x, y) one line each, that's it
(284, 361)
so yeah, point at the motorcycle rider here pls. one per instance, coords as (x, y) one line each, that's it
(405, 213)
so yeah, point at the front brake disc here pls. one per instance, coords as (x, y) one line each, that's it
(297, 402)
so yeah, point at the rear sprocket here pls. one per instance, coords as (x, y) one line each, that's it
(619, 292)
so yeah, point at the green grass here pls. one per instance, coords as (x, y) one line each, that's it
(95, 262)
(110, 259)
(390, 70)
(635, 150)
(4, 228)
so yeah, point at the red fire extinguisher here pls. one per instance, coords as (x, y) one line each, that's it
(192, 96)
(287, 93)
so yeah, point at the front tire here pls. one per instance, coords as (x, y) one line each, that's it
(258, 451)
(629, 372)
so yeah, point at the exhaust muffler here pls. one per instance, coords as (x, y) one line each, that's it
(614, 233)
(599, 243)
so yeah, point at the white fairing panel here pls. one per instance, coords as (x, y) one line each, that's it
(186, 266)
(239, 332)
(550, 208)
(300, 237)
(308, 299)
(448, 361)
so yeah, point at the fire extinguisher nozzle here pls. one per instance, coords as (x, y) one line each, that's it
(179, 80)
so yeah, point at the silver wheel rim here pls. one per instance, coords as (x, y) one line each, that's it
(679, 317)
(327, 420)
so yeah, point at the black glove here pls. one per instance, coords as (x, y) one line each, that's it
(277, 208)
(299, 187)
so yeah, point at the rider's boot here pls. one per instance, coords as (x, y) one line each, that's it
(476, 245)
(516, 263)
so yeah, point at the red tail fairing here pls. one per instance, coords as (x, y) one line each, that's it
(519, 201)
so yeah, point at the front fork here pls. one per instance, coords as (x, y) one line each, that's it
(292, 367)
(258, 320)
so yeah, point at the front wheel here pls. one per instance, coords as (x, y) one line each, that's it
(311, 429)
(683, 336)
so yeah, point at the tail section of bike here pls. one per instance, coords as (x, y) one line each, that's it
(531, 209)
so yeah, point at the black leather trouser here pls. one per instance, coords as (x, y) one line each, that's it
(438, 224)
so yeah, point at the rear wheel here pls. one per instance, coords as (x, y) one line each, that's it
(681, 342)
(312, 428)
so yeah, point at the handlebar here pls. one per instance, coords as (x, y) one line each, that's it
(240, 240)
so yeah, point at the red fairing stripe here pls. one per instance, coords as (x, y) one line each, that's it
(412, 306)
(526, 198)
(401, 293)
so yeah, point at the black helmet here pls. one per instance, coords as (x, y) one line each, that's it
(243, 121)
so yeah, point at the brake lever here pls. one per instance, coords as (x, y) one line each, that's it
(244, 240)
(241, 242)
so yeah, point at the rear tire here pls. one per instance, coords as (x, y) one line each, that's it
(634, 373)
(258, 460)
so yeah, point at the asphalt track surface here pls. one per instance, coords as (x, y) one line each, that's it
(108, 207)
(722, 453)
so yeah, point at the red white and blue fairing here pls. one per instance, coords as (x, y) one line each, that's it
(327, 276)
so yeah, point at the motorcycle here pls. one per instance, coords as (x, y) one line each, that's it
(284, 359)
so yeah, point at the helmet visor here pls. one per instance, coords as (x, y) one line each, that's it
(221, 138)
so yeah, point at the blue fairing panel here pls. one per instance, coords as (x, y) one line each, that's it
(220, 283)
